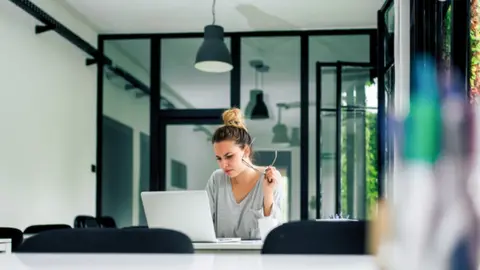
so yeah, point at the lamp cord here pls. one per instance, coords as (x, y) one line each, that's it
(213, 11)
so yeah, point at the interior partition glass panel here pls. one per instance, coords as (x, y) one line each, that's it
(327, 49)
(358, 142)
(190, 159)
(185, 87)
(270, 98)
(389, 136)
(126, 129)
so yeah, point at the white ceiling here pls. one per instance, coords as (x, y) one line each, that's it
(153, 16)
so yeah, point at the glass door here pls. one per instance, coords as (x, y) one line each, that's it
(347, 174)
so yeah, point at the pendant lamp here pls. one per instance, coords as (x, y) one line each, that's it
(251, 102)
(259, 110)
(280, 135)
(256, 107)
(295, 138)
(280, 132)
(213, 55)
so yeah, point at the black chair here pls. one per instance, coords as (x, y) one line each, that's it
(318, 237)
(106, 240)
(12, 233)
(135, 227)
(84, 221)
(34, 229)
(106, 222)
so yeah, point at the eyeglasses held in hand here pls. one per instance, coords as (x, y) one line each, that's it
(256, 169)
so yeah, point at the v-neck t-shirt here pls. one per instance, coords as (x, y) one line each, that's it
(232, 219)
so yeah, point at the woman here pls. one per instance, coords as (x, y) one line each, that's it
(240, 193)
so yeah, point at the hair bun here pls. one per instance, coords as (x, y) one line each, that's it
(234, 117)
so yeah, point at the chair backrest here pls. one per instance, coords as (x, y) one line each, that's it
(12, 233)
(106, 222)
(106, 240)
(45, 227)
(317, 237)
(84, 221)
(135, 227)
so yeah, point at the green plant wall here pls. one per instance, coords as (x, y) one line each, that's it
(370, 160)
(474, 50)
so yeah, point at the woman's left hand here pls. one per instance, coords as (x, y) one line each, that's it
(271, 179)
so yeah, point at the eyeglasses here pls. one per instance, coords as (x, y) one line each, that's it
(256, 169)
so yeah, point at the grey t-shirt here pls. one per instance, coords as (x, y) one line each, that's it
(232, 219)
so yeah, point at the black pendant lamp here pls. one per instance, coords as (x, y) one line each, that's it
(259, 110)
(213, 55)
(251, 102)
(256, 107)
(280, 131)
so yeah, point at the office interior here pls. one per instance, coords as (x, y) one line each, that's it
(97, 109)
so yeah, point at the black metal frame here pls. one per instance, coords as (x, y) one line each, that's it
(290, 33)
(212, 116)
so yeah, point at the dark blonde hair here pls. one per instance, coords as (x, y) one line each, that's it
(233, 129)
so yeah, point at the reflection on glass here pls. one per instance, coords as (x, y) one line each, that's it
(328, 49)
(186, 87)
(327, 164)
(271, 82)
(389, 143)
(389, 35)
(126, 128)
(359, 178)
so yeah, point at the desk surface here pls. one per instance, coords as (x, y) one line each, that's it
(190, 261)
(242, 245)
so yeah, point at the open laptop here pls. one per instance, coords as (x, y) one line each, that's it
(184, 211)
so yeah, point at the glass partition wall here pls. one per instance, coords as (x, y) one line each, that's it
(163, 112)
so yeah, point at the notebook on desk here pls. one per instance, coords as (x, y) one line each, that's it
(184, 211)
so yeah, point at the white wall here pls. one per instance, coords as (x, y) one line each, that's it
(48, 116)
(195, 151)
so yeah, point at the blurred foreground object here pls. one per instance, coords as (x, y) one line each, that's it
(436, 222)
(380, 233)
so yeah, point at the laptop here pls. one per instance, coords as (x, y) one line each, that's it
(184, 211)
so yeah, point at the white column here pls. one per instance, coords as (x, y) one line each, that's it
(402, 76)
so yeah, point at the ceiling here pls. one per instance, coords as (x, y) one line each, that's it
(162, 16)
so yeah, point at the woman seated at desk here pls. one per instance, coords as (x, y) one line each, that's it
(240, 192)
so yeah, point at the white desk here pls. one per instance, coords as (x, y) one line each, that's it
(190, 262)
(5, 245)
(245, 247)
